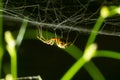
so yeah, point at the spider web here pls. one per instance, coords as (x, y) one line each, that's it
(66, 15)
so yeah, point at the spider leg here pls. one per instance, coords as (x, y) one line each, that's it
(46, 41)
(74, 39)
(51, 41)
(40, 36)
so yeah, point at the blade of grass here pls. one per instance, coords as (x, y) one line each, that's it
(21, 32)
(74, 51)
(1, 36)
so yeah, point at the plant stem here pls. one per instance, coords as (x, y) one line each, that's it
(13, 62)
(74, 69)
(95, 30)
(14, 65)
(21, 32)
(12, 52)
(1, 37)
(108, 54)
(87, 56)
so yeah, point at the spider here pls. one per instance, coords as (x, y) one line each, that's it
(54, 40)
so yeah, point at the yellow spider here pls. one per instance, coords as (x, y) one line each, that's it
(52, 41)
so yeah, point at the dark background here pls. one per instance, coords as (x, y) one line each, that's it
(50, 62)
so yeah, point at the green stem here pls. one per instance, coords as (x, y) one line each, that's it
(1, 37)
(93, 71)
(89, 66)
(21, 32)
(95, 30)
(12, 52)
(87, 56)
(108, 54)
(0, 64)
(14, 65)
(74, 69)
(13, 56)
